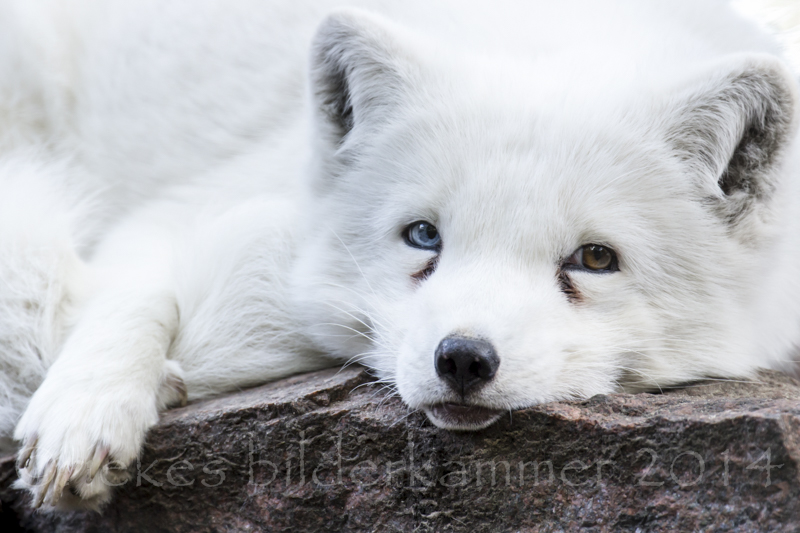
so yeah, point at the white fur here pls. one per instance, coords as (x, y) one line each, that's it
(184, 202)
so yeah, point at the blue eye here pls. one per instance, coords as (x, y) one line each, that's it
(423, 235)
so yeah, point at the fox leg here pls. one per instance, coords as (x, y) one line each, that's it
(87, 422)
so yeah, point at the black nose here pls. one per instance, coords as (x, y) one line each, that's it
(465, 363)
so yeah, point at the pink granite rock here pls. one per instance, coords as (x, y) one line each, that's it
(325, 452)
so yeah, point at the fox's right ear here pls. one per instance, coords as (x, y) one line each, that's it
(732, 128)
(359, 74)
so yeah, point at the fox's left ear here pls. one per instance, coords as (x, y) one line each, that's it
(732, 129)
(359, 75)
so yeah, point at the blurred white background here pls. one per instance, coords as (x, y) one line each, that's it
(782, 17)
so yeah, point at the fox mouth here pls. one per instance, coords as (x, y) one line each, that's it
(461, 417)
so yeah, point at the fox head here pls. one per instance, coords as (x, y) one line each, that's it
(490, 233)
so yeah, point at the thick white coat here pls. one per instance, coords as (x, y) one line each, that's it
(180, 212)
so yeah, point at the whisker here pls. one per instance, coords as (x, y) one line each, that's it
(366, 280)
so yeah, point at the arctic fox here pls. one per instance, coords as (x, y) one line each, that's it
(491, 204)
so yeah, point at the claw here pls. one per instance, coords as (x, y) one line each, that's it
(176, 385)
(50, 474)
(38, 498)
(57, 490)
(24, 458)
(184, 394)
(99, 459)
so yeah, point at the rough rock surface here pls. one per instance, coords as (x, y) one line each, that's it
(326, 452)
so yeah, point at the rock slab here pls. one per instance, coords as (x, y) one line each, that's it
(327, 451)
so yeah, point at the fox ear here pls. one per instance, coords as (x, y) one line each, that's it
(358, 73)
(732, 130)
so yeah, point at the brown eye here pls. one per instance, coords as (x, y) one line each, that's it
(596, 257)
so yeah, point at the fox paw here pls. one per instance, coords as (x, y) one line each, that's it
(79, 441)
(63, 483)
